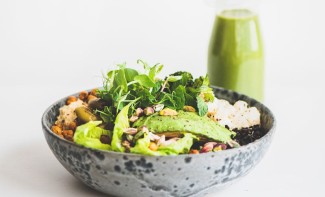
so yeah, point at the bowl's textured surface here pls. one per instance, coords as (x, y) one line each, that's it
(123, 174)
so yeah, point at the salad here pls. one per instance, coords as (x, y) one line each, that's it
(138, 112)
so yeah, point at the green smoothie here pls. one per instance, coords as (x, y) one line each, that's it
(235, 57)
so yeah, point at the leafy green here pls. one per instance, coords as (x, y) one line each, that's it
(130, 74)
(154, 71)
(181, 146)
(106, 115)
(121, 123)
(173, 78)
(110, 80)
(179, 97)
(145, 81)
(186, 79)
(190, 100)
(121, 80)
(202, 86)
(123, 85)
(201, 106)
(142, 147)
(120, 102)
(89, 135)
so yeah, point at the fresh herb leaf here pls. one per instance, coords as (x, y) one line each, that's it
(168, 100)
(145, 81)
(157, 87)
(145, 65)
(147, 98)
(179, 97)
(130, 74)
(190, 100)
(205, 90)
(186, 79)
(173, 78)
(106, 114)
(109, 81)
(120, 101)
(154, 71)
(201, 106)
(121, 80)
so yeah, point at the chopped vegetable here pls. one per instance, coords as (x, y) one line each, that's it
(89, 135)
(121, 123)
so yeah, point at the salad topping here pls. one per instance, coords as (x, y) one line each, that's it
(143, 114)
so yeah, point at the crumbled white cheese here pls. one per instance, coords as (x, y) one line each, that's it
(235, 116)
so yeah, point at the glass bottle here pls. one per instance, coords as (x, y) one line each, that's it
(235, 55)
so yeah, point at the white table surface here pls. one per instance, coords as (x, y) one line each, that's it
(49, 49)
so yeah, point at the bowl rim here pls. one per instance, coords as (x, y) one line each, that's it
(270, 132)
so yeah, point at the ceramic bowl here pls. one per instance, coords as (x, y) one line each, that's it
(132, 175)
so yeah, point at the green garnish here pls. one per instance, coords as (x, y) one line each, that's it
(125, 85)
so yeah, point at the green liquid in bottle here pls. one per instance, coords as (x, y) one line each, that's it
(235, 58)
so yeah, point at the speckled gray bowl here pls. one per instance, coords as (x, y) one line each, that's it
(122, 174)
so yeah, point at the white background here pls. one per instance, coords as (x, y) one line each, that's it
(49, 49)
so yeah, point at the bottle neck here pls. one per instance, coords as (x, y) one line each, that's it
(237, 13)
(222, 5)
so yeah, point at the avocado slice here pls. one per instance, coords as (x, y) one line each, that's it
(186, 122)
